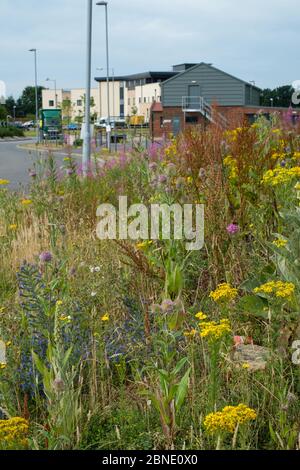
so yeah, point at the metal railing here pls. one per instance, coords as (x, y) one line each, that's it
(199, 105)
(192, 103)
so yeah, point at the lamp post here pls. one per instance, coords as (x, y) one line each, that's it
(113, 82)
(100, 99)
(86, 150)
(15, 113)
(272, 102)
(54, 82)
(36, 96)
(108, 127)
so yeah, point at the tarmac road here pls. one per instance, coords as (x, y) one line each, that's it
(15, 162)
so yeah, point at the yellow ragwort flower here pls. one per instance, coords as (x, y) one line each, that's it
(4, 182)
(105, 317)
(213, 331)
(228, 419)
(13, 433)
(13, 227)
(280, 289)
(280, 243)
(144, 245)
(192, 332)
(26, 202)
(223, 293)
(201, 316)
(280, 175)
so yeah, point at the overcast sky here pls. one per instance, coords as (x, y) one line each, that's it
(257, 40)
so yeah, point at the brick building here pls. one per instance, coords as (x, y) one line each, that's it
(199, 94)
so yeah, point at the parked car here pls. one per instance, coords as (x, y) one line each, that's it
(28, 124)
(73, 127)
(114, 123)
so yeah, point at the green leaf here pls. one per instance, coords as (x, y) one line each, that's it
(182, 390)
(254, 305)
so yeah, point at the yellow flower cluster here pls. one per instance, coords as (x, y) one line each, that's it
(281, 175)
(213, 330)
(278, 156)
(13, 433)
(228, 419)
(223, 293)
(171, 150)
(144, 245)
(280, 289)
(280, 243)
(26, 202)
(4, 182)
(233, 135)
(296, 156)
(201, 316)
(190, 333)
(105, 317)
(231, 164)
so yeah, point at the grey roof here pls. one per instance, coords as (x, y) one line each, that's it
(138, 76)
(215, 68)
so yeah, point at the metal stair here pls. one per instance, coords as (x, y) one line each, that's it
(197, 104)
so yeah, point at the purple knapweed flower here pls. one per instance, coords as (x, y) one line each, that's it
(152, 166)
(45, 257)
(232, 229)
(162, 179)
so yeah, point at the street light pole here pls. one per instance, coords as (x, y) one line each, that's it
(15, 113)
(113, 80)
(55, 90)
(108, 127)
(86, 154)
(36, 96)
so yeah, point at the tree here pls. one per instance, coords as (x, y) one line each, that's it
(67, 110)
(3, 113)
(280, 96)
(9, 104)
(26, 102)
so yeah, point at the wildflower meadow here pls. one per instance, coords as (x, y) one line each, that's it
(141, 344)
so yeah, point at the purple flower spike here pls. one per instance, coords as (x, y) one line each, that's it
(45, 257)
(232, 229)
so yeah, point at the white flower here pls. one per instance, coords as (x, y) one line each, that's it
(93, 294)
(96, 269)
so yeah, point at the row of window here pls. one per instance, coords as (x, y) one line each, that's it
(144, 100)
(78, 103)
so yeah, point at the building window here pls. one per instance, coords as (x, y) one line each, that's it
(140, 100)
(161, 121)
(128, 101)
(121, 93)
(79, 102)
(51, 104)
(145, 100)
(191, 119)
(153, 99)
(122, 110)
(133, 101)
